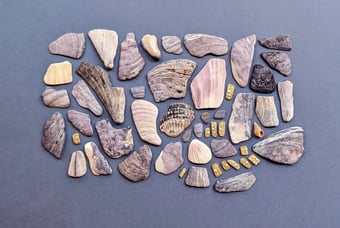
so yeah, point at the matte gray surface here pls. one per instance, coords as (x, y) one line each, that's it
(35, 190)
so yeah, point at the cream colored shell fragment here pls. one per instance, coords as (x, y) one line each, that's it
(58, 73)
(198, 152)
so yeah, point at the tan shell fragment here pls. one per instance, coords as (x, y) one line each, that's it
(285, 90)
(178, 117)
(77, 166)
(149, 43)
(144, 115)
(58, 73)
(266, 111)
(258, 131)
(55, 98)
(198, 152)
(105, 42)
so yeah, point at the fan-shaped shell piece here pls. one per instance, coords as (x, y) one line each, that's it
(70, 45)
(198, 152)
(178, 117)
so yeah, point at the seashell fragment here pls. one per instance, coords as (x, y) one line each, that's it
(149, 43)
(169, 79)
(280, 42)
(222, 148)
(136, 167)
(216, 169)
(241, 58)
(197, 177)
(86, 99)
(186, 135)
(241, 116)
(112, 97)
(182, 173)
(207, 88)
(220, 114)
(76, 138)
(58, 73)
(200, 45)
(198, 152)
(242, 182)
(245, 163)
(285, 90)
(285, 146)
(172, 44)
(262, 79)
(80, 121)
(116, 142)
(54, 135)
(266, 111)
(144, 116)
(131, 63)
(70, 45)
(279, 61)
(77, 166)
(258, 131)
(98, 163)
(55, 98)
(205, 117)
(198, 130)
(105, 42)
(177, 119)
(170, 158)
(138, 92)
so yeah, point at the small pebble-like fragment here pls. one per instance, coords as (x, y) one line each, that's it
(77, 166)
(182, 173)
(216, 169)
(213, 126)
(221, 128)
(207, 132)
(98, 163)
(230, 91)
(234, 164)
(149, 43)
(254, 159)
(244, 150)
(186, 135)
(172, 44)
(76, 138)
(55, 98)
(58, 73)
(225, 165)
(197, 177)
(205, 117)
(138, 92)
(245, 163)
(198, 130)
(258, 131)
(237, 183)
(220, 114)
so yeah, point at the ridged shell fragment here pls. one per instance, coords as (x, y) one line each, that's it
(198, 152)
(177, 119)
(55, 98)
(197, 177)
(77, 165)
(237, 183)
(70, 45)
(169, 79)
(172, 44)
(98, 163)
(200, 45)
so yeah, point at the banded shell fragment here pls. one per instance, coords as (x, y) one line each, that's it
(197, 177)
(200, 45)
(169, 79)
(77, 166)
(172, 44)
(55, 98)
(266, 111)
(177, 119)
(70, 45)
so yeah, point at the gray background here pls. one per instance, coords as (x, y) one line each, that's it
(35, 190)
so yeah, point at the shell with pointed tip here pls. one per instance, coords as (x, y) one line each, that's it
(70, 45)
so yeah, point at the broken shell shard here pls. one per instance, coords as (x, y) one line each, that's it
(285, 146)
(220, 114)
(86, 99)
(77, 165)
(138, 92)
(197, 177)
(58, 73)
(237, 183)
(170, 158)
(241, 58)
(262, 79)
(172, 44)
(131, 63)
(280, 42)
(285, 90)
(198, 130)
(216, 169)
(136, 167)
(198, 152)
(177, 119)
(144, 116)
(221, 128)
(222, 148)
(266, 111)
(70, 45)
(112, 97)
(55, 98)
(98, 163)
(186, 135)
(205, 117)
(278, 61)
(76, 138)
(200, 45)
(207, 88)
(105, 42)
(258, 131)
(241, 116)
(149, 43)
(116, 142)
(80, 121)
(54, 135)
(169, 79)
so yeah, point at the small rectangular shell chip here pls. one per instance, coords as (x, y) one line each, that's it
(207, 132)
(76, 138)
(230, 92)
(182, 173)
(244, 150)
(221, 128)
(216, 169)
(245, 163)
(234, 164)
(225, 165)
(213, 126)
(253, 159)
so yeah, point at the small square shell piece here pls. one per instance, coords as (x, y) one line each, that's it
(216, 169)
(230, 92)
(254, 159)
(244, 150)
(234, 164)
(245, 163)
(76, 138)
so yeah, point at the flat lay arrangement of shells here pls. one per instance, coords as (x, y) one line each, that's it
(173, 79)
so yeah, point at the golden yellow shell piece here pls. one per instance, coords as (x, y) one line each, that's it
(234, 164)
(225, 165)
(216, 169)
(244, 150)
(230, 92)
(254, 159)
(221, 128)
(182, 173)
(213, 126)
(245, 163)
(207, 132)
(76, 138)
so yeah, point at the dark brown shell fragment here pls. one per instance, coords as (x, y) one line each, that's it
(278, 61)
(262, 80)
(280, 42)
